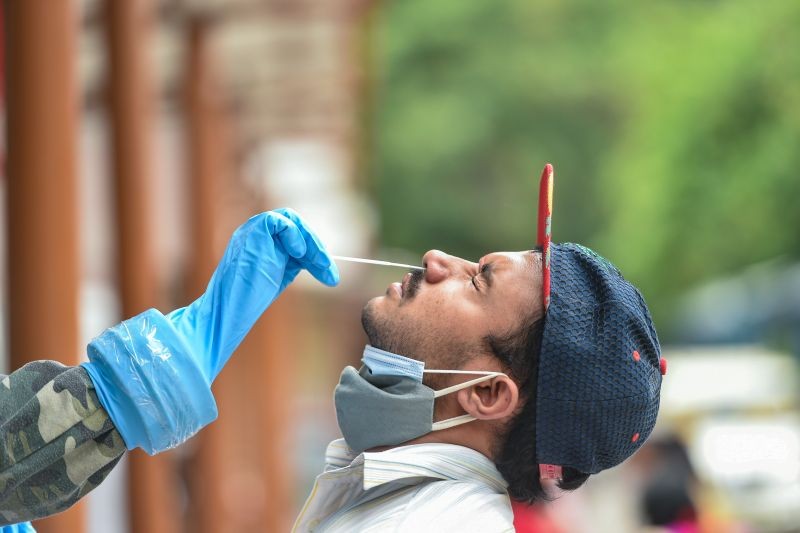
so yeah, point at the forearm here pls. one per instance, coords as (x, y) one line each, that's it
(57, 443)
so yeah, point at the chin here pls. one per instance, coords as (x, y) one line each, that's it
(370, 319)
(376, 325)
(370, 309)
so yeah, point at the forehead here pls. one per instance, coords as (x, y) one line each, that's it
(524, 263)
(517, 279)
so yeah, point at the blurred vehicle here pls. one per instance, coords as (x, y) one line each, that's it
(736, 407)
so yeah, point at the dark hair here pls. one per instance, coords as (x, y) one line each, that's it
(515, 456)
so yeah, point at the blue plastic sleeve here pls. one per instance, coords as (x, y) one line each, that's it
(150, 383)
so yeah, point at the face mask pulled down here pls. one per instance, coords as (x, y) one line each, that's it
(385, 403)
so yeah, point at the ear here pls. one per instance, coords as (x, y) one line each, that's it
(490, 400)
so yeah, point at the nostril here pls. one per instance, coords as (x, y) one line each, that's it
(428, 256)
(437, 265)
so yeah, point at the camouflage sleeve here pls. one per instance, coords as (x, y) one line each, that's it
(57, 443)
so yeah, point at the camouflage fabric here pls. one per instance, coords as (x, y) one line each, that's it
(57, 443)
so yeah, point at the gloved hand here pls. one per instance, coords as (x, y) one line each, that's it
(153, 373)
(264, 255)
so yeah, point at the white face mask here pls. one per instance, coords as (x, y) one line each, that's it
(385, 403)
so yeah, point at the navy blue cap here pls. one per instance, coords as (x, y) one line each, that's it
(600, 366)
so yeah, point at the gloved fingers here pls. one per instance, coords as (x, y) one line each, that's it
(286, 232)
(316, 259)
(328, 276)
(315, 254)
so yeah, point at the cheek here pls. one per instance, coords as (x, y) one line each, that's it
(446, 315)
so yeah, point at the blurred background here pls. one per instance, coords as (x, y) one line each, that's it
(137, 134)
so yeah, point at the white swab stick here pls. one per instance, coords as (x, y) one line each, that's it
(374, 262)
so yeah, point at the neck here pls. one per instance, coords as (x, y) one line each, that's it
(476, 437)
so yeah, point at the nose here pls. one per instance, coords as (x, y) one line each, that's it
(439, 266)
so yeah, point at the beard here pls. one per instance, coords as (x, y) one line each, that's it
(391, 337)
(387, 334)
(414, 338)
(381, 332)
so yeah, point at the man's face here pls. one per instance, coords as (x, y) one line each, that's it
(442, 315)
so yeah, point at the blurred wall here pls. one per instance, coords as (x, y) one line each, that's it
(281, 99)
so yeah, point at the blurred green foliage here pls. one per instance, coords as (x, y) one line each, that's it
(673, 126)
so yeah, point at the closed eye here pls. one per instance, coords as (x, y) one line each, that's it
(484, 269)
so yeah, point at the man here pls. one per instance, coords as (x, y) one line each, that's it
(519, 371)
(148, 380)
(556, 391)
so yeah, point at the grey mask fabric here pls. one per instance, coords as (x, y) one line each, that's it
(387, 409)
(381, 410)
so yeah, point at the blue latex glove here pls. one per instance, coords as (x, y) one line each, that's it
(264, 255)
(18, 528)
(152, 373)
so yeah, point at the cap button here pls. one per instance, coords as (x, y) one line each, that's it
(663, 366)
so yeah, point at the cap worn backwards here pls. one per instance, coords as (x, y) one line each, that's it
(600, 366)
(599, 369)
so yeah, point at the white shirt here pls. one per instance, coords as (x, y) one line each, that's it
(417, 488)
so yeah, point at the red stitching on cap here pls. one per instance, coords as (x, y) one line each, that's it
(636, 356)
(635, 437)
(663, 366)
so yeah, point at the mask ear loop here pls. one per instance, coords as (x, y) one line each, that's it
(484, 377)
(452, 422)
(462, 419)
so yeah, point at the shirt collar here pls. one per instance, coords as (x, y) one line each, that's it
(421, 461)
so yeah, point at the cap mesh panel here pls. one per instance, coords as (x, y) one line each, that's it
(593, 395)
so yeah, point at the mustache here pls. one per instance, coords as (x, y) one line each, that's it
(414, 283)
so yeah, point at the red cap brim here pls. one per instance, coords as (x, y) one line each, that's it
(543, 233)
